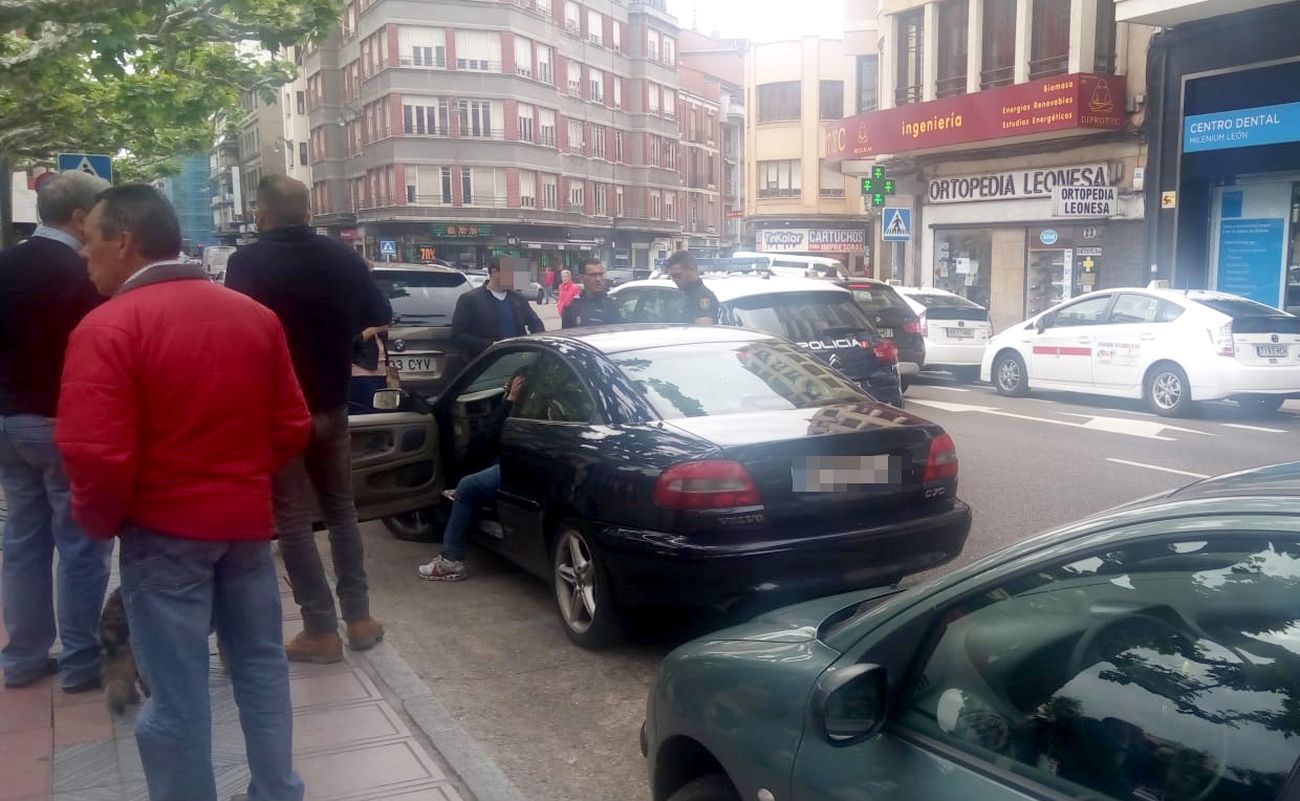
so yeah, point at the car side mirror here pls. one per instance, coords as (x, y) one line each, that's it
(850, 704)
(1041, 325)
(387, 400)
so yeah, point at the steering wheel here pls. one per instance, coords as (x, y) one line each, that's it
(555, 411)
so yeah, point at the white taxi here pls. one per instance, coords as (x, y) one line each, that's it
(1169, 347)
(956, 330)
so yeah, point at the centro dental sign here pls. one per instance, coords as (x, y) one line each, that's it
(1247, 127)
(812, 240)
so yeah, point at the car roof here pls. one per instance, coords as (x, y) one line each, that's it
(924, 290)
(740, 285)
(611, 339)
(1274, 481)
(390, 266)
(1183, 295)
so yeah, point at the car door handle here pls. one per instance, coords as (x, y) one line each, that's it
(1148, 339)
(1084, 340)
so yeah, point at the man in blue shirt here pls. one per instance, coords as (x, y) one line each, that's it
(494, 311)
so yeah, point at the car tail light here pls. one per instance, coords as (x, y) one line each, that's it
(942, 463)
(912, 326)
(706, 485)
(1222, 339)
(886, 352)
(924, 326)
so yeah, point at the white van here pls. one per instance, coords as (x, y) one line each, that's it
(798, 266)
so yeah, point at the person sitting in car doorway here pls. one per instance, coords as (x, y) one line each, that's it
(370, 368)
(475, 490)
(699, 304)
(594, 306)
(494, 311)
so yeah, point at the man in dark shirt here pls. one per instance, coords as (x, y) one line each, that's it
(699, 304)
(324, 296)
(494, 311)
(595, 306)
(44, 293)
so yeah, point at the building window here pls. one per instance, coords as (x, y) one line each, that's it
(575, 78)
(779, 178)
(656, 204)
(670, 206)
(546, 126)
(422, 47)
(302, 103)
(528, 190)
(476, 118)
(618, 146)
(545, 60)
(575, 137)
(577, 192)
(656, 150)
(478, 50)
(652, 44)
(670, 103)
(527, 133)
(1049, 52)
(466, 186)
(653, 98)
(954, 27)
(572, 17)
(1105, 37)
(602, 200)
(550, 192)
(616, 33)
(596, 82)
(426, 117)
(618, 201)
(428, 186)
(999, 62)
(910, 69)
(832, 182)
(523, 57)
(830, 100)
(618, 92)
(778, 101)
(595, 27)
(598, 141)
(670, 50)
(868, 77)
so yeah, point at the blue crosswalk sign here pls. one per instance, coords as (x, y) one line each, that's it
(100, 166)
(387, 247)
(896, 224)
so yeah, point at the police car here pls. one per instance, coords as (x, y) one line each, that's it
(1168, 347)
(956, 330)
(816, 315)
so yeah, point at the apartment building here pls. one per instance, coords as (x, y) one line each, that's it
(990, 116)
(293, 144)
(460, 129)
(723, 61)
(796, 201)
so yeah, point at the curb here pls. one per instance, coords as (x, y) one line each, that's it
(471, 763)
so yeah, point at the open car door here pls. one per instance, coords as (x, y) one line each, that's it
(395, 463)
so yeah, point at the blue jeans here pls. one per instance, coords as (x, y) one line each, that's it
(174, 590)
(474, 491)
(39, 521)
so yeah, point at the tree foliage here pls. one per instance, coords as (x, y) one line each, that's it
(144, 76)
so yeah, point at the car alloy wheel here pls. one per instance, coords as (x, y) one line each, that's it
(1009, 375)
(1167, 392)
(582, 592)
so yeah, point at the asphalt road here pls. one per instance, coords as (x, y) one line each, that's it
(562, 723)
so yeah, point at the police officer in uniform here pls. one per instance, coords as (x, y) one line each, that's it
(594, 306)
(699, 305)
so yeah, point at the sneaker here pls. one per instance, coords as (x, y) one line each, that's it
(364, 633)
(323, 649)
(441, 569)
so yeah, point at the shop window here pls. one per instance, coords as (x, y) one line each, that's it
(999, 59)
(830, 101)
(1105, 37)
(963, 263)
(868, 77)
(1050, 47)
(910, 69)
(779, 101)
(954, 17)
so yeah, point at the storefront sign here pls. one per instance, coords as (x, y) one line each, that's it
(1247, 127)
(425, 253)
(462, 231)
(1085, 201)
(812, 240)
(1250, 259)
(1060, 103)
(1014, 184)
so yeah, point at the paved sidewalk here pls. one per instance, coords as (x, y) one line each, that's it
(349, 742)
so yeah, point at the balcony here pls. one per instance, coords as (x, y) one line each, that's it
(732, 109)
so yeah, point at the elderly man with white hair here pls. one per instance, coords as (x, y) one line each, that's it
(44, 293)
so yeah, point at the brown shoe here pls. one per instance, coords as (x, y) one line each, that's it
(323, 649)
(364, 633)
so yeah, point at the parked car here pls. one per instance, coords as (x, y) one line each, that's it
(895, 321)
(676, 466)
(419, 342)
(1169, 347)
(955, 330)
(1149, 652)
(792, 265)
(816, 315)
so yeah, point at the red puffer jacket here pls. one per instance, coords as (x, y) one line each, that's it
(179, 402)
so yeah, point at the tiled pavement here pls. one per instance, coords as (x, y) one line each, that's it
(349, 742)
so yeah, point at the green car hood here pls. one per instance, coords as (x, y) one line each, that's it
(801, 622)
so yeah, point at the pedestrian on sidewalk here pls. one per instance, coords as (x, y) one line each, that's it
(323, 294)
(595, 306)
(44, 294)
(568, 292)
(159, 456)
(494, 311)
(548, 285)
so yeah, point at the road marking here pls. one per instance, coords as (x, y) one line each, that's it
(1129, 425)
(1144, 429)
(1157, 468)
(1256, 428)
(944, 388)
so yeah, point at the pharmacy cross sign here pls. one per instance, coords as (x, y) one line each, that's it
(878, 187)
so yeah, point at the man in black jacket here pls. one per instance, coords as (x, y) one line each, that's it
(494, 311)
(324, 296)
(595, 306)
(44, 293)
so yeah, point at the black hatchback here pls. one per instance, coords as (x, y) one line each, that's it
(895, 321)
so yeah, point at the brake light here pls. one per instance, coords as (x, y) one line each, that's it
(1223, 342)
(713, 484)
(942, 462)
(924, 326)
(912, 326)
(886, 352)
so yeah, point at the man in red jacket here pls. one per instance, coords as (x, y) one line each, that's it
(159, 455)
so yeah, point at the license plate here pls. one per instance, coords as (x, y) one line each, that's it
(1271, 351)
(960, 333)
(413, 364)
(887, 333)
(845, 473)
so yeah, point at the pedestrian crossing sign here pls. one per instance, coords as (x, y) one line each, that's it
(896, 224)
(89, 163)
(387, 247)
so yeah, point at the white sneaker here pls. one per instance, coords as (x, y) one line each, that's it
(441, 569)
